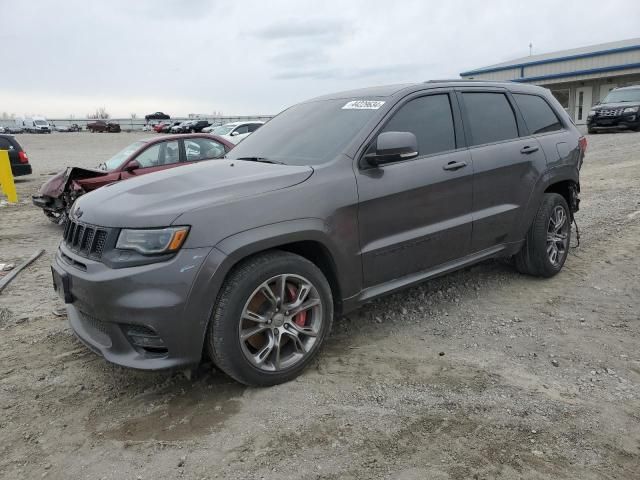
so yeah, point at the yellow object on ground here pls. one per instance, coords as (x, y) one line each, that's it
(6, 178)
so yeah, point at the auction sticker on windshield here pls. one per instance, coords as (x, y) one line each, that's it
(363, 105)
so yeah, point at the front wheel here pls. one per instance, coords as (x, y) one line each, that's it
(547, 243)
(272, 315)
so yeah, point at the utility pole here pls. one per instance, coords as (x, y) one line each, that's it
(530, 48)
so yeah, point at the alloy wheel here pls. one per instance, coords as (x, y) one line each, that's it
(280, 322)
(557, 235)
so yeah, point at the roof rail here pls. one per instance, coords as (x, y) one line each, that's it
(465, 80)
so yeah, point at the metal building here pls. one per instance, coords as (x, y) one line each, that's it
(578, 78)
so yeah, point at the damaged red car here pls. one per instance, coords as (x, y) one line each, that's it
(57, 195)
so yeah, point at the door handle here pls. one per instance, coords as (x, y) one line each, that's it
(454, 165)
(529, 149)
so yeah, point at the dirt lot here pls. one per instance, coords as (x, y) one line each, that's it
(480, 374)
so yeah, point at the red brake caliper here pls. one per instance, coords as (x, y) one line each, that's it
(301, 318)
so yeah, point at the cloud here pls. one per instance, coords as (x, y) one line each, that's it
(386, 71)
(294, 28)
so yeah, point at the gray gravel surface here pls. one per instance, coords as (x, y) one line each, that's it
(483, 373)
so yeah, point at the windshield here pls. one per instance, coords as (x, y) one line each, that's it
(121, 156)
(308, 133)
(39, 122)
(619, 96)
(223, 129)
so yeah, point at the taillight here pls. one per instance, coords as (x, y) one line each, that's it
(23, 157)
(582, 143)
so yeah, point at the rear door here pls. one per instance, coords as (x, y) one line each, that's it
(416, 214)
(507, 162)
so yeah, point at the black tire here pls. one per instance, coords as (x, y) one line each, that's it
(591, 131)
(533, 258)
(223, 341)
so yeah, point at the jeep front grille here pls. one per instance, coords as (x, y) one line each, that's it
(85, 240)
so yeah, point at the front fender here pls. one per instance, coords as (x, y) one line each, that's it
(347, 267)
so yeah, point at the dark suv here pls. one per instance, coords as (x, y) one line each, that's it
(17, 156)
(620, 109)
(332, 203)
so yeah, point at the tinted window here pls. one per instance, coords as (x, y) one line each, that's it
(242, 129)
(309, 133)
(4, 144)
(490, 117)
(254, 126)
(202, 149)
(430, 120)
(537, 114)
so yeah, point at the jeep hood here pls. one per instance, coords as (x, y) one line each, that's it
(607, 106)
(157, 199)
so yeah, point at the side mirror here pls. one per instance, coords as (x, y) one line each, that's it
(393, 147)
(131, 166)
(233, 134)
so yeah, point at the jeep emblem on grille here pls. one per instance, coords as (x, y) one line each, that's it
(78, 213)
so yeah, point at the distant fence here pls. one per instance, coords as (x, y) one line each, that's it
(133, 124)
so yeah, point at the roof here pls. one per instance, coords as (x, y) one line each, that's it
(240, 123)
(562, 55)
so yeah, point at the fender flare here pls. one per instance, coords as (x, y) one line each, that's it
(551, 176)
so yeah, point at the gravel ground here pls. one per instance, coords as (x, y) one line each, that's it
(480, 374)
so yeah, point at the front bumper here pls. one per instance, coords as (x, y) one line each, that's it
(109, 308)
(620, 122)
(19, 169)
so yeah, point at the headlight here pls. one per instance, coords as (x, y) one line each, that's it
(630, 110)
(151, 241)
(591, 113)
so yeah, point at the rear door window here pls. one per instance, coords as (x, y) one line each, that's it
(241, 129)
(202, 149)
(490, 117)
(430, 120)
(5, 144)
(537, 114)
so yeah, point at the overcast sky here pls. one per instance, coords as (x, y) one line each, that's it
(258, 57)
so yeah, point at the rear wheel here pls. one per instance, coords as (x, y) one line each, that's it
(547, 243)
(272, 315)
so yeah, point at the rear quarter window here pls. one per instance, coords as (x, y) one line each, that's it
(537, 114)
(490, 117)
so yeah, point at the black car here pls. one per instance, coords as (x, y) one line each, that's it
(17, 156)
(619, 110)
(195, 126)
(157, 116)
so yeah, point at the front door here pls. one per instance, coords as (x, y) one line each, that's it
(583, 105)
(605, 89)
(416, 214)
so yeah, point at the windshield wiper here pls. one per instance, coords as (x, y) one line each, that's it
(260, 159)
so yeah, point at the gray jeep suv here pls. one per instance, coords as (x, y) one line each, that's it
(332, 203)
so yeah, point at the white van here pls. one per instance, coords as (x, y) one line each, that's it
(34, 124)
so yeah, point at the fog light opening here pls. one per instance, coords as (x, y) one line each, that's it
(145, 339)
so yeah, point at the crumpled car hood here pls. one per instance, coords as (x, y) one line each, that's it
(157, 199)
(56, 184)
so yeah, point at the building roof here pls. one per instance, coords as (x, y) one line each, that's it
(562, 55)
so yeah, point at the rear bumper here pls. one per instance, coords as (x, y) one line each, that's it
(19, 169)
(109, 308)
